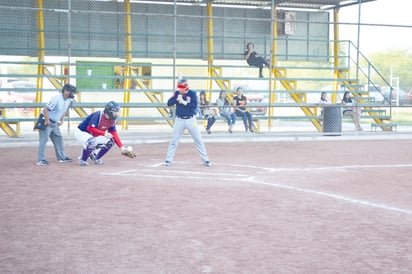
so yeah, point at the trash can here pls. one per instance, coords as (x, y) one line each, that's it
(332, 120)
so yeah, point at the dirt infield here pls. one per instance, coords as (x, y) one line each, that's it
(264, 207)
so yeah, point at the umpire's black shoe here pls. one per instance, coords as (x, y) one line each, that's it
(66, 160)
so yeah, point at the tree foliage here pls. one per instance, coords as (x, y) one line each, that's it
(399, 61)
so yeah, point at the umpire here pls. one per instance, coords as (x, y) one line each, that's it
(185, 100)
(53, 116)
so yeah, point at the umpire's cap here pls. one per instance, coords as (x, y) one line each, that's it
(70, 88)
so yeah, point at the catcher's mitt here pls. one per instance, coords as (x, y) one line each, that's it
(128, 153)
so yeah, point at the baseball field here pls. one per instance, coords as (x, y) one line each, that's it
(315, 206)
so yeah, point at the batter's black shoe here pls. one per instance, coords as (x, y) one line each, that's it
(43, 163)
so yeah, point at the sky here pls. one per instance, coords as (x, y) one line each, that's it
(379, 38)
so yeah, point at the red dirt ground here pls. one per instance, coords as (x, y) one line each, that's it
(265, 207)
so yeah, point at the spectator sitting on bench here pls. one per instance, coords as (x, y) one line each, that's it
(205, 110)
(225, 110)
(350, 110)
(324, 100)
(254, 60)
(240, 102)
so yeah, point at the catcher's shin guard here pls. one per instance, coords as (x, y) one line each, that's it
(86, 153)
(88, 148)
(104, 149)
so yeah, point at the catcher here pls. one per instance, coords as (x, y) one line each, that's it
(97, 133)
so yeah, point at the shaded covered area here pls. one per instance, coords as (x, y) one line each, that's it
(301, 4)
(135, 50)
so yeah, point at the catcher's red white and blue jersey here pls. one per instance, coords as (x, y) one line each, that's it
(97, 124)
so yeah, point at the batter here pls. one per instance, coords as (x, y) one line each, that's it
(185, 100)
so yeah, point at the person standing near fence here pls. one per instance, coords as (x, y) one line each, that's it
(53, 117)
(207, 113)
(240, 102)
(225, 110)
(185, 100)
(253, 59)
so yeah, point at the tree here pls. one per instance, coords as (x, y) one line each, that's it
(400, 61)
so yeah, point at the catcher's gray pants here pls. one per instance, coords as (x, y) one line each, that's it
(52, 131)
(178, 127)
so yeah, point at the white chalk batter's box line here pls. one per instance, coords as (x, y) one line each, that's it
(167, 171)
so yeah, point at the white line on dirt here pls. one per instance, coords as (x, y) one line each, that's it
(190, 174)
(335, 196)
